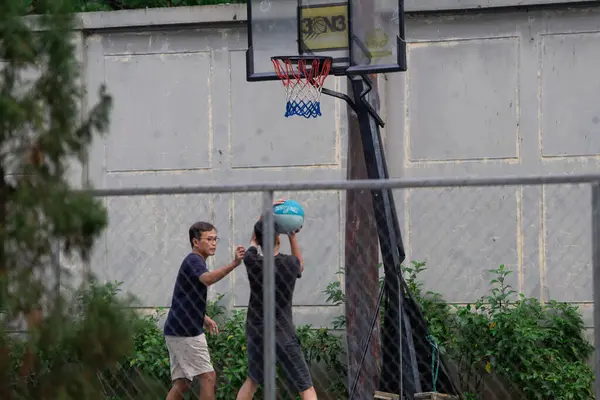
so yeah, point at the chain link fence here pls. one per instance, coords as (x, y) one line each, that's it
(496, 288)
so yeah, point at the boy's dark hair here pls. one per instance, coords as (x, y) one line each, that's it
(258, 233)
(197, 229)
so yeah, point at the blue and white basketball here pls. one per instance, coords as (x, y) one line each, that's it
(289, 216)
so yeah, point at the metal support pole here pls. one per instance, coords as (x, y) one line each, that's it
(596, 280)
(269, 296)
(404, 329)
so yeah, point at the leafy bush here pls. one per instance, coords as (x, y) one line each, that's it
(538, 348)
(145, 372)
(228, 353)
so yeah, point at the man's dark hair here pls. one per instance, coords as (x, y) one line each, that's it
(258, 233)
(197, 229)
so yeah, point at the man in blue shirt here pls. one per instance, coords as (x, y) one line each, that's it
(187, 320)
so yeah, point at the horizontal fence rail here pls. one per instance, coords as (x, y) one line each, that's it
(355, 184)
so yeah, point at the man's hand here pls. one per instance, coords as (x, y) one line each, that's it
(210, 326)
(240, 252)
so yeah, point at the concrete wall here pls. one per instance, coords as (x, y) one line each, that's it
(185, 115)
(494, 93)
(502, 93)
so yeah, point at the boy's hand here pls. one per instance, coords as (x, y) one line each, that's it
(275, 203)
(292, 234)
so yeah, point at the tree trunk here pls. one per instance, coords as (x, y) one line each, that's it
(362, 273)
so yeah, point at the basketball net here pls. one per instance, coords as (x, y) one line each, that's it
(303, 84)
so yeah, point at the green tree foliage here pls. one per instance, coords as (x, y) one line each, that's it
(42, 132)
(33, 6)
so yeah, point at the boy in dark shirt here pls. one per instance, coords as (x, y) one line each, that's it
(187, 320)
(289, 353)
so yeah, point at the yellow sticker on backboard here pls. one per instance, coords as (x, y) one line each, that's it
(324, 27)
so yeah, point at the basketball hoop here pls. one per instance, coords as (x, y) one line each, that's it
(303, 78)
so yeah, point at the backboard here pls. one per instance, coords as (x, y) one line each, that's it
(362, 36)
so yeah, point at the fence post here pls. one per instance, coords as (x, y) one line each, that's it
(596, 281)
(269, 296)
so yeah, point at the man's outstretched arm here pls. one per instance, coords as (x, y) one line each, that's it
(211, 277)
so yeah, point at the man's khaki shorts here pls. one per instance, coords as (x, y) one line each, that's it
(189, 356)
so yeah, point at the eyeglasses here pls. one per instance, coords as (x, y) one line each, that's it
(212, 239)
